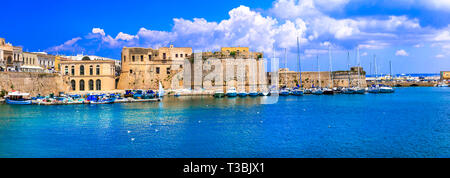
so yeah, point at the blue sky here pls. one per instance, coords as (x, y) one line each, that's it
(413, 34)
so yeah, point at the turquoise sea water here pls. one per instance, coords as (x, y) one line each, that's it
(412, 122)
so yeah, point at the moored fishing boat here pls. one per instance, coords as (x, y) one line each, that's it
(128, 93)
(138, 94)
(284, 92)
(231, 92)
(307, 91)
(374, 89)
(328, 91)
(219, 94)
(347, 91)
(18, 98)
(358, 90)
(297, 92)
(253, 93)
(242, 94)
(317, 91)
(386, 89)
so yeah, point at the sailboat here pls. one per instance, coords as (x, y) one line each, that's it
(329, 91)
(385, 88)
(318, 91)
(284, 90)
(297, 91)
(160, 90)
(358, 89)
(273, 89)
(348, 89)
(375, 88)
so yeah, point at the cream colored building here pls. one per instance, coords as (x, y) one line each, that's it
(89, 75)
(46, 61)
(144, 68)
(30, 63)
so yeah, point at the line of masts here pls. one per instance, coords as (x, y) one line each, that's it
(299, 75)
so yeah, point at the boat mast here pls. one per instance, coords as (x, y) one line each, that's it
(299, 63)
(285, 68)
(390, 69)
(318, 71)
(348, 68)
(375, 65)
(331, 67)
(359, 66)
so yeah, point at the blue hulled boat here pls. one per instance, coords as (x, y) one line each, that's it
(231, 92)
(18, 98)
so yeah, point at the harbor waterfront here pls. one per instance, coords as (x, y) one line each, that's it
(412, 122)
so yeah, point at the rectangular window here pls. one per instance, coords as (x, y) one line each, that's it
(157, 70)
(176, 55)
(149, 57)
(164, 55)
(181, 55)
(168, 71)
(132, 58)
(124, 58)
(142, 57)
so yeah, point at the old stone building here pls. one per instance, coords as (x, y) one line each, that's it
(243, 70)
(89, 75)
(340, 78)
(10, 56)
(144, 68)
(179, 68)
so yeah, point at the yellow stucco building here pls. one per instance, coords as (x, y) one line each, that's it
(89, 75)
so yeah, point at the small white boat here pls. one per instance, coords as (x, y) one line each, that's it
(231, 92)
(386, 89)
(317, 91)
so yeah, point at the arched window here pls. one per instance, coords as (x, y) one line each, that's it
(66, 70)
(97, 69)
(82, 70)
(81, 85)
(91, 85)
(124, 58)
(73, 70)
(72, 83)
(91, 70)
(98, 84)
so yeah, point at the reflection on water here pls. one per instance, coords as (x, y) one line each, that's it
(413, 122)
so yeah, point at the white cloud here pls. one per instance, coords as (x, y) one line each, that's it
(439, 56)
(373, 44)
(437, 4)
(364, 54)
(68, 45)
(401, 53)
(418, 45)
(286, 20)
(98, 31)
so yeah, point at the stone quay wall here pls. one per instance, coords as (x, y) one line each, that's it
(33, 83)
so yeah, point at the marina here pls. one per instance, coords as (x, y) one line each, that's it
(338, 125)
